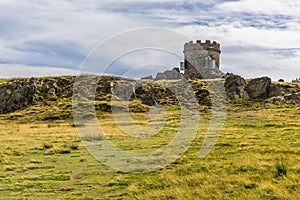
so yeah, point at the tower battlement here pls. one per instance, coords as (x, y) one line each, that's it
(206, 42)
(198, 44)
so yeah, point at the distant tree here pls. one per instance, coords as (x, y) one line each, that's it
(281, 80)
(297, 80)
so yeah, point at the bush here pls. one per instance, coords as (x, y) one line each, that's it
(47, 146)
(63, 151)
(297, 80)
(281, 167)
(74, 147)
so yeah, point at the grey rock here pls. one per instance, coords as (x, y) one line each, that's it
(275, 99)
(173, 74)
(235, 86)
(288, 98)
(147, 78)
(17, 94)
(292, 98)
(259, 88)
(161, 76)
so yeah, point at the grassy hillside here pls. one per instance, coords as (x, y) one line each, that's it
(256, 157)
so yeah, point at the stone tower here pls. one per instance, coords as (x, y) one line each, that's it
(202, 60)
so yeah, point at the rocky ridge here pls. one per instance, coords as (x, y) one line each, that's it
(21, 93)
(260, 89)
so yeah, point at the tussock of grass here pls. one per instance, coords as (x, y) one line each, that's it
(281, 167)
(78, 125)
(47, 146)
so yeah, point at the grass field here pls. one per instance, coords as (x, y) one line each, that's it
(256, 157)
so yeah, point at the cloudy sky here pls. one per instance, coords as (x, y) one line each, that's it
(53, 37)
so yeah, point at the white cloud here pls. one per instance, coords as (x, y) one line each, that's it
(233, 35)
(12, 70)
(60, 33)
(256, 64)
(56, 25)
(286, 7)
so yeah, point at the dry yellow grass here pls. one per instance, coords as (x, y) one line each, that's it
(44, 159)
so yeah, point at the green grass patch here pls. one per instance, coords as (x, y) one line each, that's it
(53, 125)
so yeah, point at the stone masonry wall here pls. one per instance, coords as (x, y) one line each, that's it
(195, 54)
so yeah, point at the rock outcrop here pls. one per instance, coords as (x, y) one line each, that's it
(147, 78)
(19, 93)
(15, 95)
(172, 74)
(235, 87)
(259, 88)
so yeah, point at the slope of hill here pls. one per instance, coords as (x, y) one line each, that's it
(42, 155)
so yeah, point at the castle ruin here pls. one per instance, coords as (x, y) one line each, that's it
(202, 60)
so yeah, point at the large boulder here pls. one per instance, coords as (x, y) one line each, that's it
(235, 86)
(259, 88)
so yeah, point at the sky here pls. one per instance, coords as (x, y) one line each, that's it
(54, 37)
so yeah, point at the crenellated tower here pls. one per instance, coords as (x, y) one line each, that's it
(202, 60)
